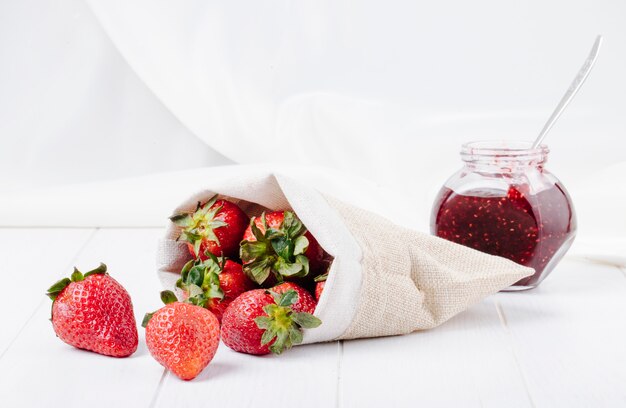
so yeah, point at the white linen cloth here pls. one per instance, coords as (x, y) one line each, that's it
(377, 94)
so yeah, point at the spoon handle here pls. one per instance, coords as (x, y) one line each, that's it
(571, 91)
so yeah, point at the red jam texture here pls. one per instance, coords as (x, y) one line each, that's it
(530, 229)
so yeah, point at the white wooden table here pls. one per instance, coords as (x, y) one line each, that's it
(561, 345)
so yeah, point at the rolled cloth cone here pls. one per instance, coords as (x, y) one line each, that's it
(384, 279)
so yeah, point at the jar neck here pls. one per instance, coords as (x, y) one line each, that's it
(503, 156)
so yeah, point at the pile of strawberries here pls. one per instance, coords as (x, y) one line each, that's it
(253, 282)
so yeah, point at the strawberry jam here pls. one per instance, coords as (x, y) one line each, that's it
(523, 215)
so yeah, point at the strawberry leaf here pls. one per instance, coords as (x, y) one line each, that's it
(288, 298)
(295, 336)
(210, 203)
(301, 244)
(195, 276)
(276, 296)
(198, 300)
(210, 230)
(209, 211)
(186, 268)
(272, 233)
(293, 225)
(306, 320)
(190, 236)
(263, 322)
(214, 293)
(281, 246)
(182, 220)
(146, 319)
(216, 261)
(76, 276)
(251, 250)
(281, 343)
(211, 283)
(288, 269)
(257, 232)
(259, 270)
(196, 246)
(304, 261)
(167, 296)
(194, 290)
(271, 308)
(54, 290)
(289, 219)
(101, 269)
(217, 223)
(321, 278)
(268, 335)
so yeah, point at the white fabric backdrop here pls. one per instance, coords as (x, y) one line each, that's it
(384, 91)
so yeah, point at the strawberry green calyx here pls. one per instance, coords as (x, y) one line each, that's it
(282, 324)
(200, 279)
(146, 319)
(321, 278)
(278, 251)
(167, 297)
(77, 276)
(199, 225)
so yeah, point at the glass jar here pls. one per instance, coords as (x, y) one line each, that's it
(504, 202)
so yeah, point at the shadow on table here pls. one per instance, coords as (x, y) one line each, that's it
(217, 369)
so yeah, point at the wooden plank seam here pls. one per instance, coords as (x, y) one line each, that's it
(505, 326)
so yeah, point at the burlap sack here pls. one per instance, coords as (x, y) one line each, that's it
(384, 279)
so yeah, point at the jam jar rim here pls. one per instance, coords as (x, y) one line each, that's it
(503, 150)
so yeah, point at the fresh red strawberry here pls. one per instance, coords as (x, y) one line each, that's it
(319, 288)
(213, 283)
(278, 243)
(319, 285)
(215, 227)
(182, 337)
(92, 311)
(304, 303)
(260, 320)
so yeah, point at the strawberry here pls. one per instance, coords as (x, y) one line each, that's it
(213, 283)
(215, 227)
(278, 244)
(319, 285)
(182, 337)
(260, 320)
(92, 311)
(304, 302)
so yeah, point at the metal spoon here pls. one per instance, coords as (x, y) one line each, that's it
(571, 91)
